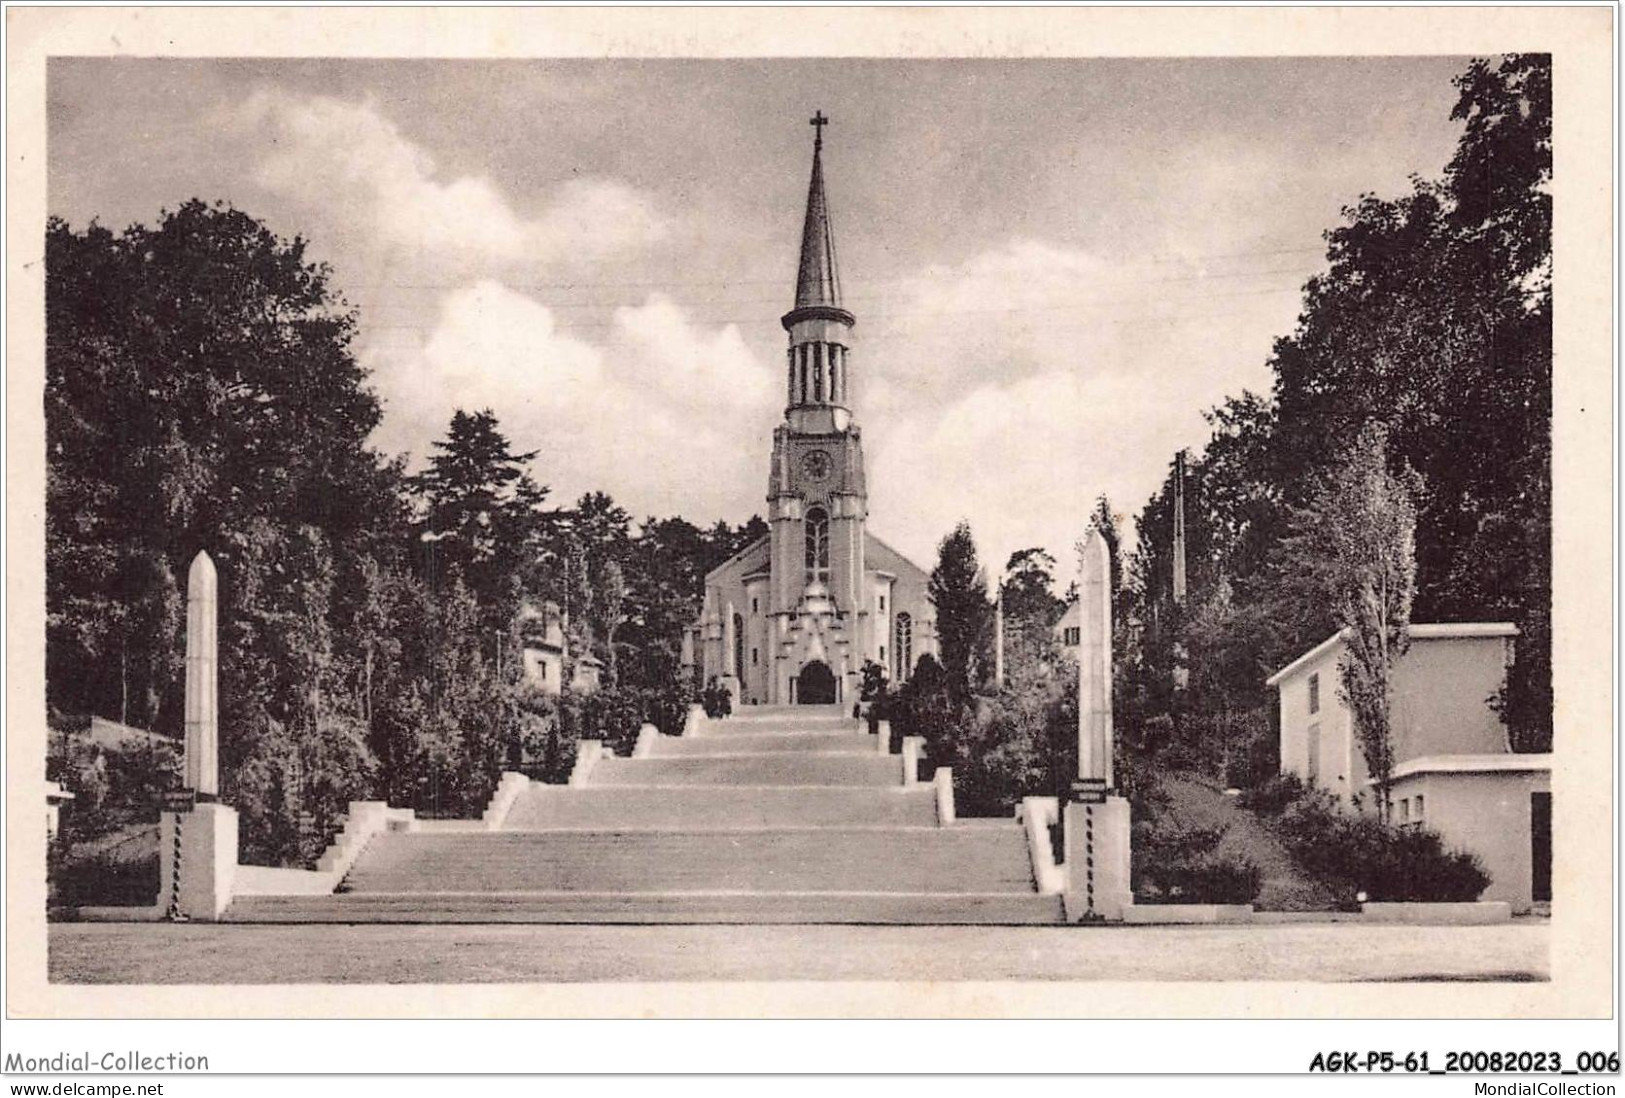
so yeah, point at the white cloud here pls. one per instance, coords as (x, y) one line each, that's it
(348, 158)
(1015, 388)
(1022, 462)
(665, 415)
(686, 363)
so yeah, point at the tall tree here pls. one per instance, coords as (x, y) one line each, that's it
(199, 377)
(481, 509)
(958, 590)
(1433, 319)
(1030, 611)
(1355, 548)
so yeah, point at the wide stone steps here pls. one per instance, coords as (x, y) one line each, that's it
(772, 816)
(887, 860)
(609, 808)
(765, 742)
(753, 769)
(782, 720)
(631, 907)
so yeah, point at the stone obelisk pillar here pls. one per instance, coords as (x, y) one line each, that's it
(1097, 821)
(202, 690)
(1095, 663)
(197, 862)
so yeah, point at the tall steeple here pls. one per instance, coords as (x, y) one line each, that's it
(818, 281)
(820, 328)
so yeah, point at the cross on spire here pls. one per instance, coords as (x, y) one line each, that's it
(818, 121)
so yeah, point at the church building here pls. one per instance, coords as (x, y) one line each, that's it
(792, 618)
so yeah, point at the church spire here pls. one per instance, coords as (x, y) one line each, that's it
(817, 282)
(820, 329)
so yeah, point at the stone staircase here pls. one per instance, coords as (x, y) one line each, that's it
(774, 816)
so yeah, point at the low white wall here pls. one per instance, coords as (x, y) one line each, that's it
(1466, 914)
(588, 752)
(508, 790)
(1037, 816)
(943, 779)
(913, 748)
(648, 736)
(1179, 914)
(364, 820)
(261, 880)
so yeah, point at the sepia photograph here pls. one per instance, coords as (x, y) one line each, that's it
(617, 520)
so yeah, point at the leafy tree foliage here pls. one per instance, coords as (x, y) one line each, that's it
(198, 378)
(1432, 320)
(1356, 545)
(201, 393)
(958, 590)
(1031, 610)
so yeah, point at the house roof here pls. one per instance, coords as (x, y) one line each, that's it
(1442, 630)
(1507, 762)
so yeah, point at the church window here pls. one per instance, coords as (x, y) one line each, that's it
(790, 383)
(753, 654)
(817, 544)
(883, 653)
(1314, 693)
(804, 368)
(904, 648)
(753, 606)
(739, 644)
(882, 604)
(818, 373)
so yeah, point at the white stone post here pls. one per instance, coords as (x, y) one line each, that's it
(198, 848)
(1096, 823)
(1095, 662)
(202, 692)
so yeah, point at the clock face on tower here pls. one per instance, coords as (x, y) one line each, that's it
(816, 465)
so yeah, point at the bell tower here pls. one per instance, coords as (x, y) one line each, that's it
(817, 497)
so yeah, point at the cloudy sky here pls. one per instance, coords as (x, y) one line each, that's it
(1056, 266)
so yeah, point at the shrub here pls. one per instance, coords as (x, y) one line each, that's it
(1254, 756)
(1181, 865)
(1356, 853)
(111, 878)
(1213, 879)
(1271, 796)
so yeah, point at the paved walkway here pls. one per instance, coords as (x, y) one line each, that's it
(378, 954)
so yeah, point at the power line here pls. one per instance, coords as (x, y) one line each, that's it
(883, 334)
(868, 320)
(786, 277)
(855, 299)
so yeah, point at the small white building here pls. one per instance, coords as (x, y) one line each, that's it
(1068, 631)
(1454, 769)
(55, 798)
(544, 648)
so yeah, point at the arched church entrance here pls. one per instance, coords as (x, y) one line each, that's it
(816, 684)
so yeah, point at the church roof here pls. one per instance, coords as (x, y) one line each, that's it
(879, 554)
(818, 283)
(751, 558)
